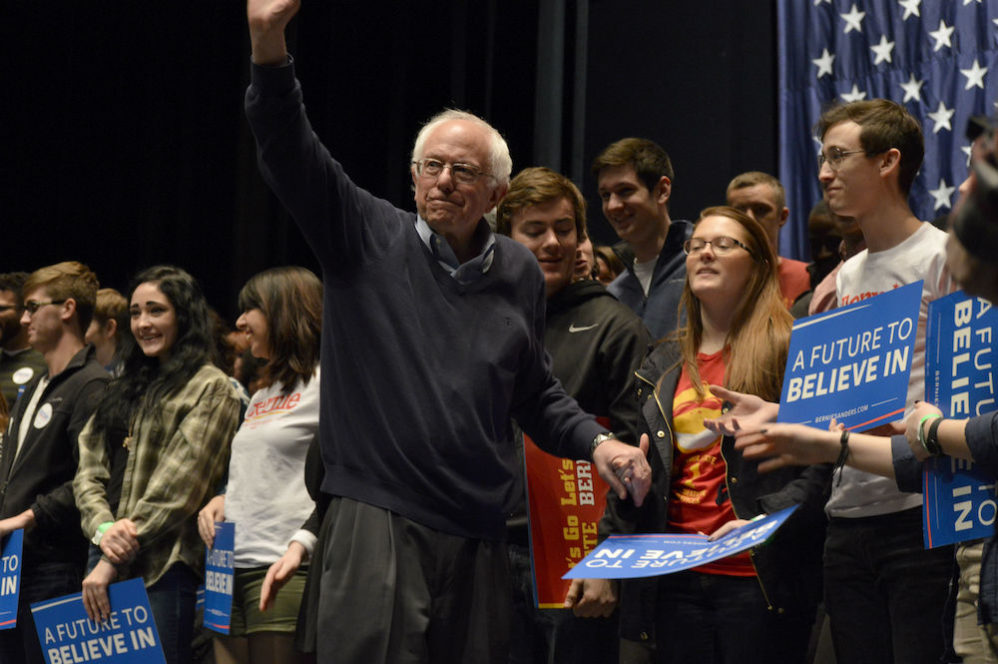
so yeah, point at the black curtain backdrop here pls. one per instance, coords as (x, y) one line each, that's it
(124, 142)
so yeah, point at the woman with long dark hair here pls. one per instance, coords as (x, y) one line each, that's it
(266, 496)
(178, 414)
(751, 607)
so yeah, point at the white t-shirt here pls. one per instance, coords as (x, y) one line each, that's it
(644, 272)
(921, 256)
(266, 496)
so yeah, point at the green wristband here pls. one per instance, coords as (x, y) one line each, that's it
(101, 529)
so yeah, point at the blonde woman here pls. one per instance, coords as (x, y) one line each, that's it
(751, 607)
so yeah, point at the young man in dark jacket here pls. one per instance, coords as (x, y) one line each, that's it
(39, 455)
(596, 343)
(634, 178)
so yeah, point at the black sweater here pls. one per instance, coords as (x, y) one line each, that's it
(420, 373)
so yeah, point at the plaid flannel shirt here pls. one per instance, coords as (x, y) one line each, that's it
(178, 455)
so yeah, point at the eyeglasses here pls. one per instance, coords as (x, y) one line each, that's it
(835, 157)
(722, 245)
(32, 307)
(462, 173)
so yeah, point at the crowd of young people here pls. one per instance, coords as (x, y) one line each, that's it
(394, 465)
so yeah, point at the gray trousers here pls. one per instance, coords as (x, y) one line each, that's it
(393, 591)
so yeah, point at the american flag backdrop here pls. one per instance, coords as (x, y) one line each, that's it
(937, 57)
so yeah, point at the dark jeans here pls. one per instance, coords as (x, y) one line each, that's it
(717, 619)
(39, 582)
(553, 636)
(886, 595)
(172, 600)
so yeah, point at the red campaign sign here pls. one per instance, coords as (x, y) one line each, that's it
(565, 501)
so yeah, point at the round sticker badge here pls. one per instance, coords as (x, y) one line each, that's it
(23, 375)
(43, 416)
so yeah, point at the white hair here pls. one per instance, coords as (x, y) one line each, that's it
(500, 161)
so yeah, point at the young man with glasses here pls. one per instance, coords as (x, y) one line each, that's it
(885, 594)
(39, 456)
(431, 341)
(19, 363)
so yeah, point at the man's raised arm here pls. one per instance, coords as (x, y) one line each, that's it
(267, 20)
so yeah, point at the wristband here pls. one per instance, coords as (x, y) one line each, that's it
(932, 439)
(843, 454)
(921, 432)
(99, 534)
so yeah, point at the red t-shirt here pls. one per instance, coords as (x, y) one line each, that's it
(698, 469)
(794, 280)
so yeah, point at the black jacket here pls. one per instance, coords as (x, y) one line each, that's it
(788, 565)
(41, 476)
(596, 344)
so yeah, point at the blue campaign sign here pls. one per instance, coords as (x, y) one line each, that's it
(958, 497)
(219, 571)
(128, 636)
(635, 556)
(959, 360)
(852, 364)
(958, 500)
(10, 578)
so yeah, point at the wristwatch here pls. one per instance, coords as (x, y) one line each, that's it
(600, 438)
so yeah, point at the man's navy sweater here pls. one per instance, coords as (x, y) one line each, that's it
(420, 373)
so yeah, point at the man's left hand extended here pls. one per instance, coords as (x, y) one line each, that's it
(624, 467)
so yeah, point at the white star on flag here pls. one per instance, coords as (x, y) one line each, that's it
(818, 2)
(942, 35)
(883, 50)
(824, 62)
(910, 8)
(943, 195)
(853, 19)
(975, 76)
(912, 89)
(941, 117)
(853, 95)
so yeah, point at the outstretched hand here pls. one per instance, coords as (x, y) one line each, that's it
(788, 445)
(747, 412)
(625, 468)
